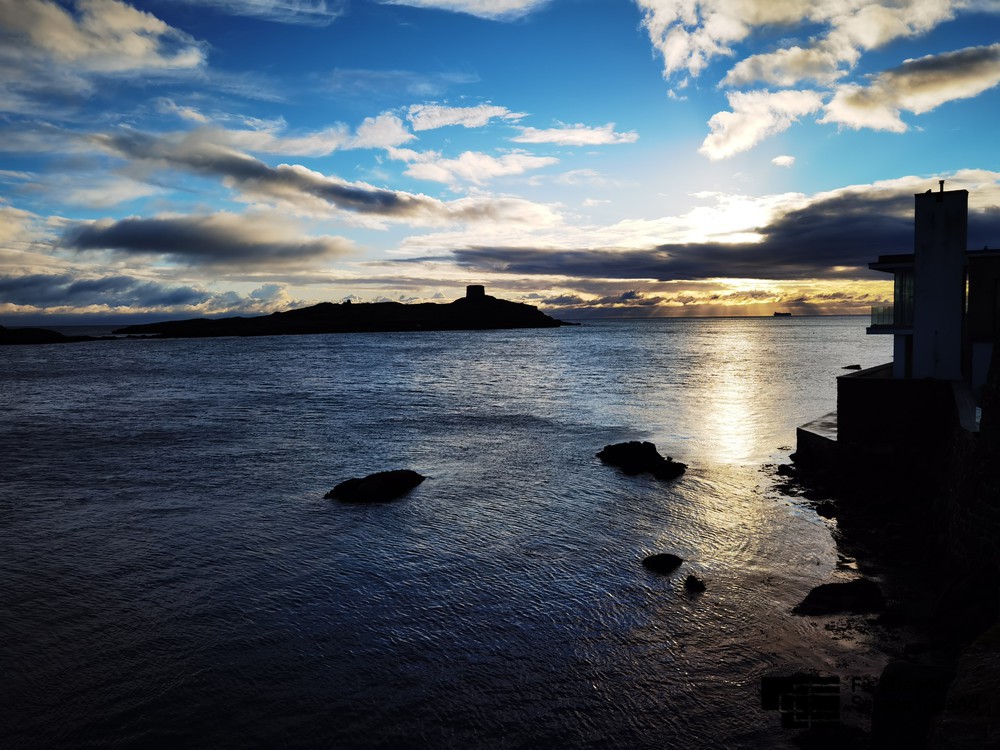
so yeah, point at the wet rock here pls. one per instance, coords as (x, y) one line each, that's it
(786, 470)
(857, 597)
(638, 457)
(376, 488)
(826, 509)
(694, 585)
(663, 564)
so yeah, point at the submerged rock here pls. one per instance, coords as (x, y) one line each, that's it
(637, 457)
(694, 584)
(857, 597)
(663, 563)
(376, 488)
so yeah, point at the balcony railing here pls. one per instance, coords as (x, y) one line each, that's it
(882, 315)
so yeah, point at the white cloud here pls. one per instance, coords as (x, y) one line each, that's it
(496, 10)
(755, 115)
(470, 166)
(431, 116)
(690, 33)
(270, 139)
(577, 135)
(51, 55)
(103, 36)
(384, 131)
(916, 86)
(169, 106)
(783, 161)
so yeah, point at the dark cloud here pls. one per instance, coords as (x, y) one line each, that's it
(214, 240)
(832, 238)
(63, 290)
(196, 152)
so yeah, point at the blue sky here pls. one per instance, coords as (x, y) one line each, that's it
(594, 157)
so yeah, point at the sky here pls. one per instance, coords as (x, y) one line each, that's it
(181, 158)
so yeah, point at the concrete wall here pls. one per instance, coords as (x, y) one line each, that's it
(940, 232)
(887, 416)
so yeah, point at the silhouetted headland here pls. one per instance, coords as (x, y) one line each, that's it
(476, 311)
(37, 336)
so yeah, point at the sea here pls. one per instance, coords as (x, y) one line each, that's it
(172, 576)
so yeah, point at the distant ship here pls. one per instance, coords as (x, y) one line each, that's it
(782, 315)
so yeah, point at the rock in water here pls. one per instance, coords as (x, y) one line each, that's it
(376, 488)
(694, 584)
(856, 597)
(663, 564)
(635, 458)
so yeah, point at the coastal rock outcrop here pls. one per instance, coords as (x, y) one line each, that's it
(694, 585)
(857, 597)
(380, 487)
(663, 563)
(36, 336)
(637, 457)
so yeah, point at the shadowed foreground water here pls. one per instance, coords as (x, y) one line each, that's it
(170, 574)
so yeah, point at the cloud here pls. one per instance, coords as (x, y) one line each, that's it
(917, 86)
(577, 135)
(384, 131)
(221, 239)
(104, 36)
(169, 106)
(470, 166)
(299, 12)
(194, 152)
(691, 33)
(65, 292)
(755, 116)
(432, 116)
(295, 187)
(783, 161)
(835, 235)
(494, 10)
(50, 53)
(358, 82)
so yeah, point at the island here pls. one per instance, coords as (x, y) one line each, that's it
(475, 311)
(37, 336)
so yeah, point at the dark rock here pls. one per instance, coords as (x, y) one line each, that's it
(694, 584)
(851, 367)
(637, 457)
(663, 564)
(38, 336)
(786, 470)
(894, 616)
(376, 488)
(826, 509)
(907, 697)
(858, 597)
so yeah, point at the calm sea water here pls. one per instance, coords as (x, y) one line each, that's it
(171, 576)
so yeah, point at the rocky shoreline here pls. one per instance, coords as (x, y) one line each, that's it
(929, 533)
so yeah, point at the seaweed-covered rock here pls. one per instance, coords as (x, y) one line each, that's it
(376, 488)
(663, 564)
(637, 457)
(857, 597)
